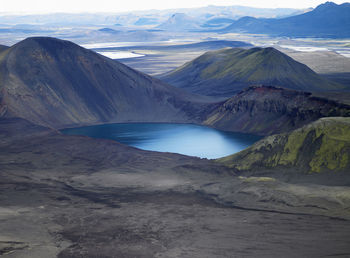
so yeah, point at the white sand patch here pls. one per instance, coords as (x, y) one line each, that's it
(111, 44)
(345, 53)
(119, 54)
(304, 48)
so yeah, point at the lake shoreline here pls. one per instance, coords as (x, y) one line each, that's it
(187, 139)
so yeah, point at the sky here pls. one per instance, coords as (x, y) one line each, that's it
(75, 6)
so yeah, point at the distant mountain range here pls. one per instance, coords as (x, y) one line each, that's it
(203, 45)
(180, 22)
(227, 71)
(327, 20)
(148, 17)
(57, 83)
(217, 22)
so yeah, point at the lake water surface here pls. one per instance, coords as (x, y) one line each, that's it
(188, 139)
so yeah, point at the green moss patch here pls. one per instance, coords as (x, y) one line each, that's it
(318, 147)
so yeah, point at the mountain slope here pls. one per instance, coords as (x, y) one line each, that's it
(321, 146)
(218, 22)
(56, 83)
(327, 20)
(2, 48)
(227, 71)
(268, 110)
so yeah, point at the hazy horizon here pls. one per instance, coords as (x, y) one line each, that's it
(108, 6)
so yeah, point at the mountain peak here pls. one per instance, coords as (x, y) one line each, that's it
(326, 5)
(47, 48)
(227, 71)
(80, 86)
(45, 42)
(271, 50)
(40, 40)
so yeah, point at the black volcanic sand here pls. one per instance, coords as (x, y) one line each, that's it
(73, 196)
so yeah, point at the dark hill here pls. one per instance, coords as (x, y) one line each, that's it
(267, 110)
(3, 47)
(327, 20)
(227, 71)
(57, 83)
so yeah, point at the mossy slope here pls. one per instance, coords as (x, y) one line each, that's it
(227, 71)
(318, 147)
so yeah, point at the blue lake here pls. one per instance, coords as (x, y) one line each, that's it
(188, 139)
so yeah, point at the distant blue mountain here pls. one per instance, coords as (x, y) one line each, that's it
(217, 22)
(327, 20)
(109, 30)
(180, 22)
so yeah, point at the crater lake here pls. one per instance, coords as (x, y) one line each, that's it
(187, 139)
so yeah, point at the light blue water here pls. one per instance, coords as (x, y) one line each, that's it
(188, 139)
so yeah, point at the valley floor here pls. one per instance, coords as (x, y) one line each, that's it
(72, 196)
(67, 222)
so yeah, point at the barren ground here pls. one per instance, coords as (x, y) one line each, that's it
(72, 196)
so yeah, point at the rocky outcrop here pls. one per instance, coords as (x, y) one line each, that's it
(266, 110)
